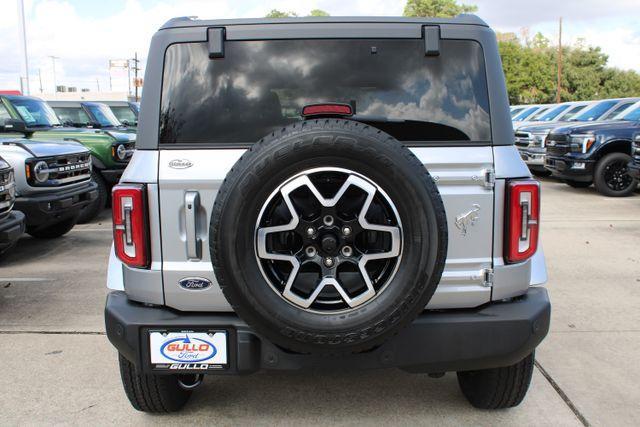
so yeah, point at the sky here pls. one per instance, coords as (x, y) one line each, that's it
(85, 34)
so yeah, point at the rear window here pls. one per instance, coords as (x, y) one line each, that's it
(260, 86)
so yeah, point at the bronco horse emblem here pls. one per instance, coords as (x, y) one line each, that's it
(463, 221)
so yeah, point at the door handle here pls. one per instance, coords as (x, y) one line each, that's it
(191, 208)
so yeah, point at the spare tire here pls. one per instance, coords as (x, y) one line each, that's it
(328, 237)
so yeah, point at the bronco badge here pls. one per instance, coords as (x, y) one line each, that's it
(465, 220)
(180, 164)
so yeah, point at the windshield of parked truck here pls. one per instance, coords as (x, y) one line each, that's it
(34, 112)
(103, 115)
(525, 113)
(552, 113)
(572, 112)
(594, 112)
(261, 86)
(618, 111)
(632, 113)
(74, 116)
(124, 114)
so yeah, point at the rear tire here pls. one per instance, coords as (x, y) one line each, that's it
(55, 230)
(611, 177)
(577, 184)
(152, 393)
(497, 388)
(94, 208)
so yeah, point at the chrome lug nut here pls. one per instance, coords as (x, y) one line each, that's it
(310, 251)
(328, 262)
(311, 231)
(328, 220)
(347, 251)
(346, 230)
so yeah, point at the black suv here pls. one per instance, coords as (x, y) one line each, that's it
(597, 153)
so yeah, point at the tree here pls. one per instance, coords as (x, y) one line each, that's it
(275, 13)
(530, 66)
(318, 12)
(437, 8)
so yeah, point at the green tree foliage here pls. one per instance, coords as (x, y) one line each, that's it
(318, 12)
(275, 13)
(530, 69)
(437, 8)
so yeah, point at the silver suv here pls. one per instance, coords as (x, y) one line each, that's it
(335, 193)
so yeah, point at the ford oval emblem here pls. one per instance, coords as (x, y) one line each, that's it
(190, 350)
(180, 164)
(194, 283)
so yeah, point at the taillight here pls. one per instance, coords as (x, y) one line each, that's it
(130, 224)
(522, 216)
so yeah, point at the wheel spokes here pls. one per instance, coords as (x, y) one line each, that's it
(329, 272)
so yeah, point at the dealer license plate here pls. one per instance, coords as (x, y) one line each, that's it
(188, 350)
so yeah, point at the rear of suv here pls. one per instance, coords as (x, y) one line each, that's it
(344, 194)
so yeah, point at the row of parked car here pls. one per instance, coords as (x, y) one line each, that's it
(583, 143)
(58, 161)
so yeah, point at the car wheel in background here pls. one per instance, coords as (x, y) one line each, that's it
(53, 231)
(611, 176)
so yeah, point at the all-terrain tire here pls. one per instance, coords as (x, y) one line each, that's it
(152, 393)
(497, 388)
(578, 184)
(56, 230)
(599, 175)
(328, 143)
(95, 207)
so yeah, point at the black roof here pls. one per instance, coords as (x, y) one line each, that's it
(189, 21)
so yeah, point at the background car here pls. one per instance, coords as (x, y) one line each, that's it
(33, 118)
(597, 153)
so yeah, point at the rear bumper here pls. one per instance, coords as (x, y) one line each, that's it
(494, 335)
(565, 168)
(49, 208)
(11, 228)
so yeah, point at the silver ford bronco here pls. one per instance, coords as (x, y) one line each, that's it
(325, 193)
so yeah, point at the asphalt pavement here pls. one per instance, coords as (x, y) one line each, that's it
(58, 367)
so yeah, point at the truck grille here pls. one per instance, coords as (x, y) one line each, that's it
(65, 170)
(635, 152)
(557, 145)
(7, 191)
(523, 139)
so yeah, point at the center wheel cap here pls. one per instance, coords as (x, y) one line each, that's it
(329, 244)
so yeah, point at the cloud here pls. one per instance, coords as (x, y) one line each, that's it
(86, 43)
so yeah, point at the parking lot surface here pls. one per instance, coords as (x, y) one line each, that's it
(60, 368)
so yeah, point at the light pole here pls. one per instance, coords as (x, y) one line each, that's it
(23, 39)
(55, 84)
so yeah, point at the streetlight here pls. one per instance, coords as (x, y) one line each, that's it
(55, 85)
(23, 39)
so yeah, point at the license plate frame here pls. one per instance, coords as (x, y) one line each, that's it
(202, 349)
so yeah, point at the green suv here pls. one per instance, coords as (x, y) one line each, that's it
(110, 150)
